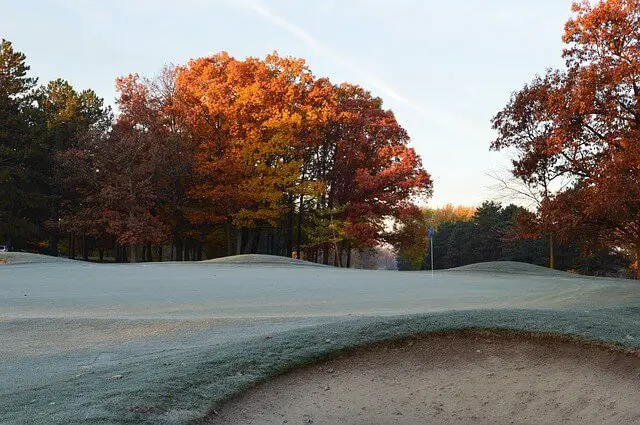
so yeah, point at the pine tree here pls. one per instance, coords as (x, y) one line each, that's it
(21, 201)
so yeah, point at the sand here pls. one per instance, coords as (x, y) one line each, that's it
(460, 378)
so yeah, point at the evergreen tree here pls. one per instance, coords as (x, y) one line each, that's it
(21, 175)
(68, 116)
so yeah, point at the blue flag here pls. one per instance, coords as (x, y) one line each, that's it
(431, 232)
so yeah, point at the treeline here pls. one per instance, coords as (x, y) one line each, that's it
(219, 156)
(493, 232)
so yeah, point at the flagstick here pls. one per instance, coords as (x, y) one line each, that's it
(431, 239)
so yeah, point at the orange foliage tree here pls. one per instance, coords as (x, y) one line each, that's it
(273, 144)
(584, 121)
(253, 123)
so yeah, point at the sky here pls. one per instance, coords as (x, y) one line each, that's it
(444, 67)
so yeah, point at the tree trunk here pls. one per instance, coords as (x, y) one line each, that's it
(277, 237)
(101, 254)
(299, 239)
(325, 253)
(239, 241)
(248, 246)
(10, 236)
(638, 261)
(185, 251)
(121, 253)
(85, 248)
(53, 244)
(178, 249)
(70, 247)
(132, 254)
(290, 216)
(252, 240)
(256, 244)
(160, 253)
(552, 259)
(229, 231)
(349, 258)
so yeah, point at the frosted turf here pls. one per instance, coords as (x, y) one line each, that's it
(163, 343)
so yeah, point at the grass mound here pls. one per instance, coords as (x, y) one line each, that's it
(29, 258)
(248, 259)
(509, 267)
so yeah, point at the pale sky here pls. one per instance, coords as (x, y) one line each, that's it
(444, 67)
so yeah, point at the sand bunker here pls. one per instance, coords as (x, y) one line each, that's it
(462, 378)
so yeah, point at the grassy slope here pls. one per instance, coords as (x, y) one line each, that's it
(28, 258)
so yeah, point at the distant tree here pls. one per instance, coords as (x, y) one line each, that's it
(22, 199)
(448, 213)
(68, 117)
(80, 174)
(160, 114)
(37, 126)
(134, 160)
(590, 117)
(526, 124)
(491, 235)
(454, 245)
(410, 238)
(249, 121)
(371, 173)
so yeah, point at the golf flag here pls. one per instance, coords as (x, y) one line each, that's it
(431, 232)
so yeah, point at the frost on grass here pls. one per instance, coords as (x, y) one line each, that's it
(28, 258)
(260, 259)
(183, 338)
(176, 386)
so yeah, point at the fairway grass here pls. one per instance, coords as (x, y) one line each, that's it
(168, 343)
